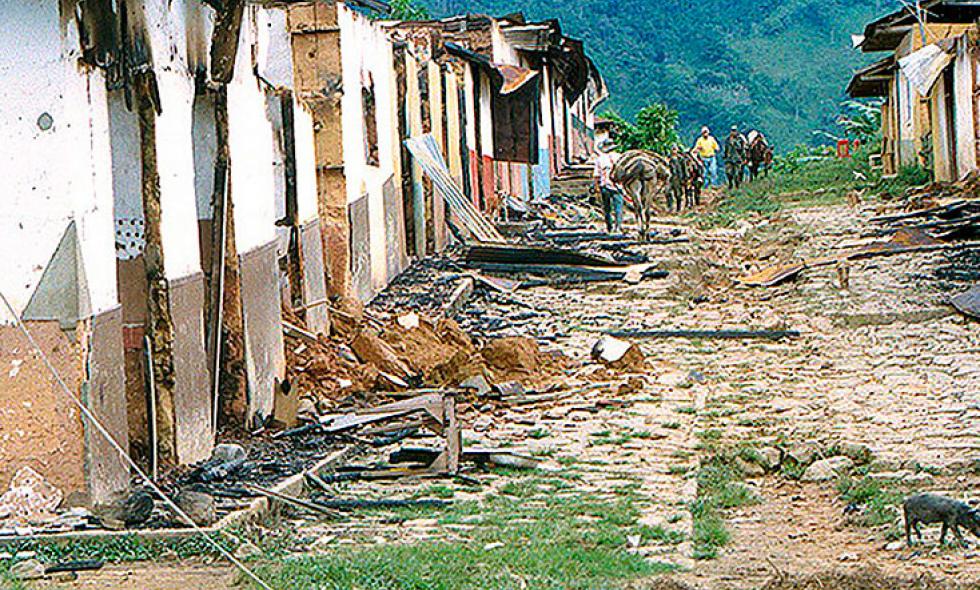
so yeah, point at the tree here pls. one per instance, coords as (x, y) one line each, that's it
(655, 129)
(407, 10)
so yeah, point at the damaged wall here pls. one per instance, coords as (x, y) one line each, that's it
(368, 69)
(252, 153)
(57, 162)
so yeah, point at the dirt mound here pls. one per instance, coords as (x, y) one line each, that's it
(428, 345)
(513, 354)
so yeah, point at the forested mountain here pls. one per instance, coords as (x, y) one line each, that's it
(776, 65)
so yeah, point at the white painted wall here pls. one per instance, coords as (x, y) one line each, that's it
(251, 148)
(367, 51)
(51, 176)
(275, 54)
(166, 27)
(306, 191)
(486, 115)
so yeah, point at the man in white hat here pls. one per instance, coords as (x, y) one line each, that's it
(609, 193)
(707, 147)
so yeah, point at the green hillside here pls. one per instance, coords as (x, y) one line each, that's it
(777, 65)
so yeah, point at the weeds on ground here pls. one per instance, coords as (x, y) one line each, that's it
(878, 502)
(719, 489)
(529, 534)
(810, 177)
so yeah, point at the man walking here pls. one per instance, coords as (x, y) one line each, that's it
(735, 158)
(609, 193)
(707, 147)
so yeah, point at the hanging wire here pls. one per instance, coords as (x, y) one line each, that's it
(112, 441)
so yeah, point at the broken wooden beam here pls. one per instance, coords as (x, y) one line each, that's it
(507, 254)
(707, 334)
(297, 332)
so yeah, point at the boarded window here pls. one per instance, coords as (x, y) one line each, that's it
(370, 110)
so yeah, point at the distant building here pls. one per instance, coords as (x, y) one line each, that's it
(929, 116)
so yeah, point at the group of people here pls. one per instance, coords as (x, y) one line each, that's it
(736, 155)
(690, 170)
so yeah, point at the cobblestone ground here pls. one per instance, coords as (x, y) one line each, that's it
(885, 363)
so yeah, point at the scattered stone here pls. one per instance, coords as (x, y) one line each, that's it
(30, 497)
(228, 452)
(749, 468)
(848, 557)
(63, 577)
(347, 354)
(126, 510)
(633, 541)
(199, 506)
(421, 523)
(492, 546)
(856, 451)
(30, 569)
(247, 551)
(477, 383)
(409, 321)
(25, 555)
(828, 469)
(894, 546)
(802, 453)
(618, 354)
(769, 458)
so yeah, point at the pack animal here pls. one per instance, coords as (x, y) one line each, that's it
(931, 508)
(760, 157)
(646, 177)
(694, 183)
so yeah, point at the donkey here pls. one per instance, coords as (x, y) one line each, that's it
(646, 177)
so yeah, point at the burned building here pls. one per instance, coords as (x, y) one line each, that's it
(183, 171)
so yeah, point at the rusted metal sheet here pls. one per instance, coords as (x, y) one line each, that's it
(968, 303)
(396, 256)
(105, 395)
(427, 154)
(314, 277)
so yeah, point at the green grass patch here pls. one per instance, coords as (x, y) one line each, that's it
(538, 537)
(539, 433)
(807, 178)
(878, 502)
(719, 489)
(671, 425)
(689, 410)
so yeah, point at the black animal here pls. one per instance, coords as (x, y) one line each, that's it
(930, 509)
(760, 157)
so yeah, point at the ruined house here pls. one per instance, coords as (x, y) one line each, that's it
(181, 171)
(927, 82)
